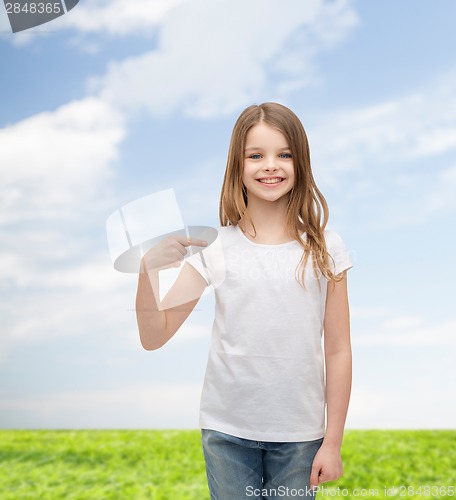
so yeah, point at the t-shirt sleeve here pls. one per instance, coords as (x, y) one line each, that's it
(210, 262)
(196, 262)
(339, 252)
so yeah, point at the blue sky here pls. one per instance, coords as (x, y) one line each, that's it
(117, 100)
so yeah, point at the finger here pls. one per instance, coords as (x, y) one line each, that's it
(198, 243)
(176, 248)
(314, 477)
(181, 252)
(191, 242)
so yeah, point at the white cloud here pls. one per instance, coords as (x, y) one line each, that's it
(368, 312)
(418, 404)
(200, 204)
(393, 134)
(117, 17)
(54, 160)
(83, 300)
(55, 169)
(391, 159)
(209, 68)
(135, 407)
(44, 314)
(440, 198)
(401, 323)
(410, 393)
(405, 331)
(418, 198)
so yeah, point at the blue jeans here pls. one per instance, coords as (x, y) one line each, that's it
(239, 468)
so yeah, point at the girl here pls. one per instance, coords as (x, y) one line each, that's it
(262, 414)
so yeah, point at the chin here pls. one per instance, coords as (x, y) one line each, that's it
(272, 197)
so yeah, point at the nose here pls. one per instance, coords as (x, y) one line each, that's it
(270, 164)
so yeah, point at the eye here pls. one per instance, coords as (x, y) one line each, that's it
(285, 155)
(255, 156)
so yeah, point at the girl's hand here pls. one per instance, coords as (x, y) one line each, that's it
(170, 252)
(327, 465)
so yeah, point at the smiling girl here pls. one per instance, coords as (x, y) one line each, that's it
(266, 389)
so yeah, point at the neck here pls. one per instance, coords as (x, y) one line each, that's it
(267, 216)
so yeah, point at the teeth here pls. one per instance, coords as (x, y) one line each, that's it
(270, 181)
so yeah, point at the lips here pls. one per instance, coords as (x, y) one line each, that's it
(270, 181)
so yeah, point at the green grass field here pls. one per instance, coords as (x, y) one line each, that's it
(169, 465)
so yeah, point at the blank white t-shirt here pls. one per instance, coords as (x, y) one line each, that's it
(265, 373)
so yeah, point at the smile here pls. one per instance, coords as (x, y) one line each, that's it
(276, 180)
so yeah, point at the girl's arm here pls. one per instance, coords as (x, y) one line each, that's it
(159, 321)
(338, 360)
(327, 464)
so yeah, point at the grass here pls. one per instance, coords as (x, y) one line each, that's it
(160, 465)
(169, 465)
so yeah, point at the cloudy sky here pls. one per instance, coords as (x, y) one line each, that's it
(117, 100)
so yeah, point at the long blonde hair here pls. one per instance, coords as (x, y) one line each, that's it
(306, 204)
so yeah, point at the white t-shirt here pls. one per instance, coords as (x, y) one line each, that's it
(265, 374)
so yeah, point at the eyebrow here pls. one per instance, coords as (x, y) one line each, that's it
(256, 148)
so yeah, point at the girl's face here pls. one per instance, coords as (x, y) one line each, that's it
(267, 155)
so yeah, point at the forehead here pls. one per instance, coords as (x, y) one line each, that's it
(262, 135)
